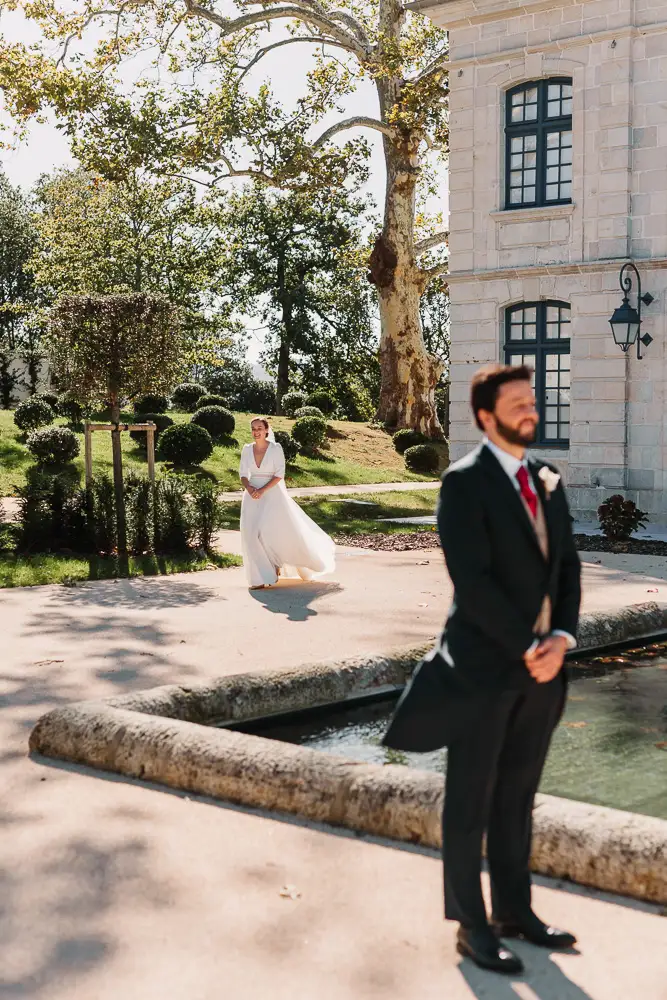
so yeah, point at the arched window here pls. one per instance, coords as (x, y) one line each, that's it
(538, 334)
(538, 131)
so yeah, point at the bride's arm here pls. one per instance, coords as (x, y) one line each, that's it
(278, 470)
(243, 476)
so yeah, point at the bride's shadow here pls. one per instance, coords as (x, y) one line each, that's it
(292, 598)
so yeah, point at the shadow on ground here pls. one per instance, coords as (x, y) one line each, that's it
(293, 598)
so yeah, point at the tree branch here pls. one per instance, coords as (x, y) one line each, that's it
(435, 240)
(435, 66)
(426, 275)
(360, 121)
(292, 12)
(312, 39)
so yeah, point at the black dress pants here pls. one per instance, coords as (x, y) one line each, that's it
(493, 773)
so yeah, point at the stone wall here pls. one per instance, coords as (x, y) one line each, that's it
(616, 53)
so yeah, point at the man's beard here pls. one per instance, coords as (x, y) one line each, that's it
(515, 436)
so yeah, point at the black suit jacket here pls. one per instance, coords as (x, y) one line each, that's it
(500, 580)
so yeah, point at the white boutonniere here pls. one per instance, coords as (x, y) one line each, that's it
(549, 478)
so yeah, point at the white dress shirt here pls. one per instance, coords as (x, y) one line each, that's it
(511, 466)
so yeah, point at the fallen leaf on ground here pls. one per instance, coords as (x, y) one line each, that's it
(575, 725)
(290, 892)
(661, 746)
(652, 590)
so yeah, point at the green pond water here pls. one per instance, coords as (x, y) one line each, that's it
(610, 749)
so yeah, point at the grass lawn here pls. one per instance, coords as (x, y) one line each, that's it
(341, 516)
(357, 454)
(34, 570)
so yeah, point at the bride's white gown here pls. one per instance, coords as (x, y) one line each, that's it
(275, 533)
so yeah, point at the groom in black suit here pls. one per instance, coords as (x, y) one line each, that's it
(494, 690)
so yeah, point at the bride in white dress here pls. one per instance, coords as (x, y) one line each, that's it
(277, 537)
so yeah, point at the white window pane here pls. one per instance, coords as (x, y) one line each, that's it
(553, 174)
(518, 98)
(531, 112)
(566, 155)
(529, 194)
(553, 140)
(553, 156)
(529, 178)
(553, 109)
(516, 196)
(552, 192)
(516, 161)
(554, 92)
(516, 178)
(567, 90)
(564, 431)
(551, 432)
(517, 114)
(567, 107)
(530, 332)
(553, 331)
(566, 190)
(517, 144)
(530, 159)
(566, 172)
(531, 96)
(530, 143)
(553, 314)
(551, 396)
(552, 379)
(566, 139)
(564, 396)
(530, 314)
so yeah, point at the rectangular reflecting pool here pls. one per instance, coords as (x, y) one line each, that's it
(610, 748)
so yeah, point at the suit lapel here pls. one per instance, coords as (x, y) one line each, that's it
(510, 495)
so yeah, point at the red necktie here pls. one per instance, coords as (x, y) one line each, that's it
(526, 491)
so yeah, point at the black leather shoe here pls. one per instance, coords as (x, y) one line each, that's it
(534, 930)
(486, 951)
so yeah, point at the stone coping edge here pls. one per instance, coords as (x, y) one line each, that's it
(150, 736)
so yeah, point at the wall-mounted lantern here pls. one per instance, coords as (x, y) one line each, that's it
(626, 321)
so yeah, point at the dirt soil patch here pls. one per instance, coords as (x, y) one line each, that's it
(635, 547)
(397, 542)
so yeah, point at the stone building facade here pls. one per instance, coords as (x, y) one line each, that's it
(558, 175)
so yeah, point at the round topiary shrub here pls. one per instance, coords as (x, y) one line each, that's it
(309, 432)
(54, 445)
(308, 411)
(288, 444)
(33, 413)
(70, 408)
(50, 398)
(185, 444)
(151, 403)
(323, 400)
(407, 438)
(212, 400)
(421, 458)
(186, 396)
(291, 402)
(161, 421)
(218, 421)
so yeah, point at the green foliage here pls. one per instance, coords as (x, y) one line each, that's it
(70, 408)
(33, 413)
(211, 400)
(323, 400)
(54, 445)
(356, 402)
(101, 508)
(50, 398)
(186, 396)
(173, 520)
(620, 518)
(289, 446)
(106, 347)
(161, 421)
(208, 512)
(293, 401)
(235, 382)
(309, 432)
(406, 438)
(150, 403)
(308, 411)
(51, 514)
(218, 421)
(185, 444)
(139, 508)
(422, 458)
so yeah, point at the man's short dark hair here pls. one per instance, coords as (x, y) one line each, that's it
(488, 380)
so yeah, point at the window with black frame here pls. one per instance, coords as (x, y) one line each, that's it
(538, 334)
(538, 130)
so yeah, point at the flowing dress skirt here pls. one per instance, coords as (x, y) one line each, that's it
(279, 539)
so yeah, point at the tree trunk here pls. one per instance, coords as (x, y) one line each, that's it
(282, 381)
(409, 375)
(119, 489)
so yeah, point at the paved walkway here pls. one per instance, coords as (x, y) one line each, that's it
(111, 888)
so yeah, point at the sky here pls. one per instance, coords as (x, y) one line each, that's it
(46, 149)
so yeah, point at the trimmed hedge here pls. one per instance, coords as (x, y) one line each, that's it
(308, 411)
(151, 403)
(323, 400)
(185, 444)
(309, 432)
(291, 402)
(212, 400)
(288, 444)
(50, 398)
(54, 445)
(407, 438)
(186, 396)
(218, 421)
(161, 421)
(70, 409)
(422, 458)
(33, 413)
